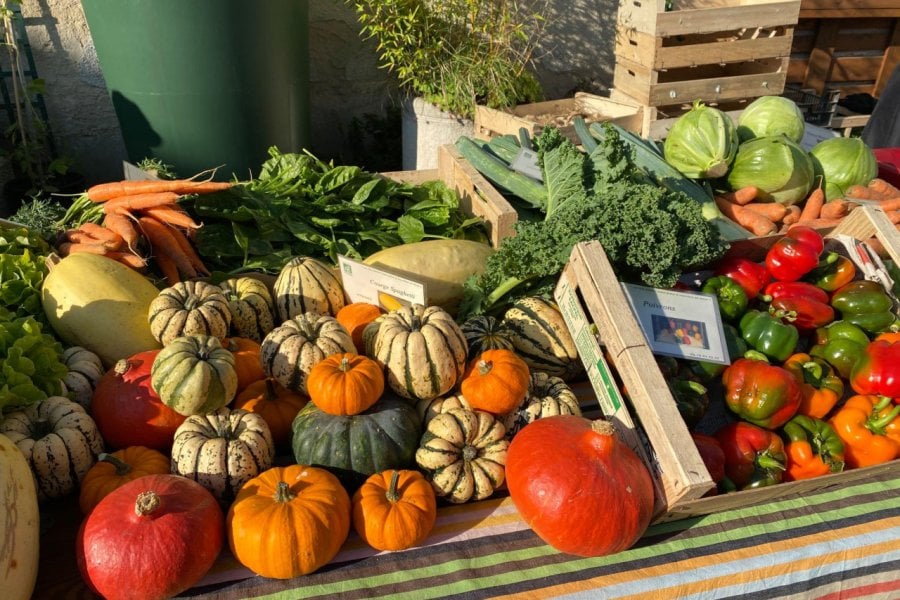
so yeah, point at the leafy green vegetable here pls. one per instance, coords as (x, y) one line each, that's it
(22, 271)
(300, 205)
(31, 366)
(40, 215)
(650, 234)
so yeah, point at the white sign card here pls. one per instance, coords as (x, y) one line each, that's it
(364, 283)
(683, 324)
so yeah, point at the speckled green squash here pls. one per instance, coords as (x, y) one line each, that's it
(483, 333)
(189, 308)
(354, 447)
(251, 306)
(194, 375)
(547, 396)
(307, 285)
(540, 336)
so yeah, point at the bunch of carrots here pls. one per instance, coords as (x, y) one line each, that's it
(765, 218)
(145, 210)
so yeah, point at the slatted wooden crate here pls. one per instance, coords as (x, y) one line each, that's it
(615, 352)
(713, 50)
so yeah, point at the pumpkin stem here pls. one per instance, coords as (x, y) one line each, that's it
(393, 495)
(146, 503)
(122, 467)
(603, 427)
(122, 366)
(345, 364)
(283, 492)
(485, 366)
(469, 453)
(271, 391)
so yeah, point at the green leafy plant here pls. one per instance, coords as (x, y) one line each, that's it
(457, 54)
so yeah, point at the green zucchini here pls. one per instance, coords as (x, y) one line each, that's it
(498, 172)
(505, 146)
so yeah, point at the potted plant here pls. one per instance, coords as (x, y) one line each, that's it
(449, 56)
(37, 168)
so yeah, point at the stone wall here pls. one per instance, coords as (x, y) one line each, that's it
(344, 79)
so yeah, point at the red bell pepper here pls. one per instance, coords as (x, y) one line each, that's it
(713, 457)
(802, 304)
(754, 457)
(878, 370)
(796, 254)
(750, 275)
(763, 394)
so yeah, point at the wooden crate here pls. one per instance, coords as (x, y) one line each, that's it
(712, 50)
(533, 117)
(613, 349)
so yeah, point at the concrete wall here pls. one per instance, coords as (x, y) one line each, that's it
(344, 79)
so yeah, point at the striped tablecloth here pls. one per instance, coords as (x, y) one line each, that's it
(831, 544)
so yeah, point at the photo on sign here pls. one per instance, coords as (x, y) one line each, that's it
(683, 324)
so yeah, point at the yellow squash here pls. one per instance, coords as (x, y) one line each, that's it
(20, 525)
(99, 304)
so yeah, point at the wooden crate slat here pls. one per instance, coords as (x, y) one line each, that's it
(721, 88)
(706, 20)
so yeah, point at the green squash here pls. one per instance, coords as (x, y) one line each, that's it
(353, 447)
(194, 375)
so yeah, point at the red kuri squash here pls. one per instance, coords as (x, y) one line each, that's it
(152, 538)
(127, 410)
(578, 486)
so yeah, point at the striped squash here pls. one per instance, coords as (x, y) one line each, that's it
(20, 527)
(251, 306)
(307, 285)
(222, 450)
(290, 351)
(547, 396)
(189, 308)
(194, 375)
(85, 370)
(60, 441)
(422, 349)
(429, 409)
(484, 332)
(540, 336)
(463, 453)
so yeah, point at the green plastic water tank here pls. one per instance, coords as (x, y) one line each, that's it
(205, 83)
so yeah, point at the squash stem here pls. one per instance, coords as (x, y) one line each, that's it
(485, 366)
(393, 495)
(283, 492)
(146, 503)
(122, 467)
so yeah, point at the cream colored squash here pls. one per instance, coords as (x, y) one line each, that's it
(20, 524)
(442, 265)
(100, 304)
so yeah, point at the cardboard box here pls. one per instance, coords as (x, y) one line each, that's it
(607, 334)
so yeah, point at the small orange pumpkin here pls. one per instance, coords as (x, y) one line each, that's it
(496, 381)
(288, 521)
(354, 317)
(394, 510)
(246, 360)
(345, 384)
(112, 471)
(276, 404)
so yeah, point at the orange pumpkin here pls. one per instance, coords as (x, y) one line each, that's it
(345, 384)
(246, 360)
(354, 317)
(394, 510)
(276, 404)
(112, 471)
(496, 381)
(288, 521)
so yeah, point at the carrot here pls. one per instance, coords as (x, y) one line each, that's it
(167, 267)
(771, 210)
(117, 189)
(185, 245)
(172, 215)
(753, 222)
(123, 226)
(100, 232)
(893, 216)
(883, 188)
(859, 192)
(813, 205)
(742, 196)
(835, 209)
(79, 236)
(129, 259)
(163, 242)
(67, 248)
(792, 216)
(890, 204)
(820, 223)
(140, 201)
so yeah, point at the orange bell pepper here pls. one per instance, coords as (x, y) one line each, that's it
(812, 449)
(869, 426)
(820, 386)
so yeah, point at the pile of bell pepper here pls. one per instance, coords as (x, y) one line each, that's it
(814, 383)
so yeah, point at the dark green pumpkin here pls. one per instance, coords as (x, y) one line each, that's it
(353, 447)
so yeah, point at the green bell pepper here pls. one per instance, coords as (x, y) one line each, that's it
(865, 303)
(840, 344)
(769, 335)
(707, 371)
(730, 296)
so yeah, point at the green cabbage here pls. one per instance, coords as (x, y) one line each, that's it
(843, 162)
(771, 115)
(780, 169)
(701, 143)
